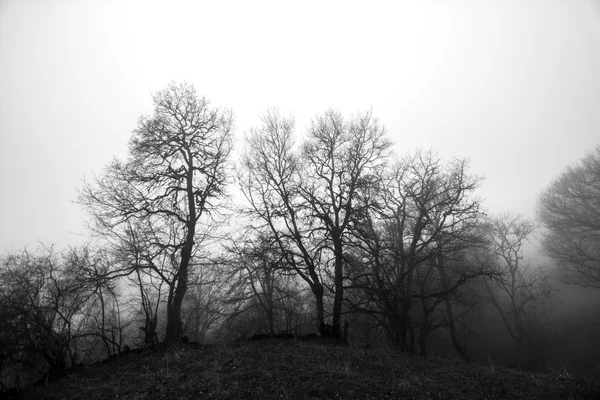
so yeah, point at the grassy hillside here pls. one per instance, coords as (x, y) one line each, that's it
(289, 369)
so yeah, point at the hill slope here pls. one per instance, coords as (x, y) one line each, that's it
(288, 369)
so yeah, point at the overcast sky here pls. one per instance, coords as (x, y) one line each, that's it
(512, 85)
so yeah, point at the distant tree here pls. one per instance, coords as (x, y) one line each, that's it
(445, 293)
(520, 293)
(570, 211)
(54, 307)
(174, 176)
(258, 279)
(37, 310)
(417, 223)
(462, 307)
(204, 306)
(87, 267)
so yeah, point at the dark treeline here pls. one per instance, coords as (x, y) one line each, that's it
(331, 234)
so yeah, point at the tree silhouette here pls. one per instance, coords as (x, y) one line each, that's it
(175, 175)
(570, 210)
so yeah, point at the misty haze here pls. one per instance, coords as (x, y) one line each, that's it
(302, 200)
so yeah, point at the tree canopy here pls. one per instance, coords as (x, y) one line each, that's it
(570, 211)
(150, 206)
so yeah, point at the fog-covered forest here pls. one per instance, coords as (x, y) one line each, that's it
(301, 231)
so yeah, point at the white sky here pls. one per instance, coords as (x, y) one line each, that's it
(512, 85)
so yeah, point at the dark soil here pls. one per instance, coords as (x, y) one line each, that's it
(291, 369)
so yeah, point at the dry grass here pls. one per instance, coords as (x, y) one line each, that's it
(287, 369)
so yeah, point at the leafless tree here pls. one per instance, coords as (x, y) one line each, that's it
(424, 214)
(570, 211)
(204, 305)
(270, 178)
(260, 281)
(37, 312)
(54, 305)
(343, 160)
(173, 179)
(308, 196)
(520, 293)
(100, 316)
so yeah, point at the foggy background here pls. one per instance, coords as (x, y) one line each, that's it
(512, 85)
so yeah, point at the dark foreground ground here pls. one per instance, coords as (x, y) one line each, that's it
(288, 369)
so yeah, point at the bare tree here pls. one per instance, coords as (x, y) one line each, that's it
(343, 161)
(270, 179)
(53, 307)
(570, 210)
(520, 293)
(308, 197)
(258, 276)
(261, 283)
(463, 302)
(204, 306)
(174, 176)
(38, 309)
(423, 214)
(88, 268)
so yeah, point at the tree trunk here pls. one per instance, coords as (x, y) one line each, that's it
(411, 343)
(405, 324)
(318, 291)
(346, 327)
(423, 333)
(462, 351)
(425, 328)
(339, 288)
(271, 319)
(397, 333)
(150, 331)
(174, 309)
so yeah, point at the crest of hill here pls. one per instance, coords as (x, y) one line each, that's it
(279, 368)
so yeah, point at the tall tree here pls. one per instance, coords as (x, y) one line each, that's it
(570, 210)
(175, 175)
(343, 160)
(270, 178)
(309, 198)
(520, 293)
(422, 217)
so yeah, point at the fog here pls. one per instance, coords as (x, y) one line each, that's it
(504, 95)
(512, 86)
